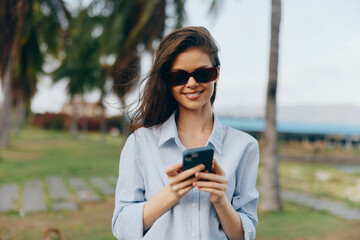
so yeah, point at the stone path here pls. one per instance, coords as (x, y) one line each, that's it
(338, 209)
(55, 193)
(60, 197)
(68, 194)
(8, 194)
(33, 197)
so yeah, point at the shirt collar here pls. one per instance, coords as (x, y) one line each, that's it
(218, 134)
(169, 131)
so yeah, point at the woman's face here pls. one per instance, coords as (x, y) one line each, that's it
(192, 95)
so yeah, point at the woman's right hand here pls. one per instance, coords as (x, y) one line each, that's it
(179, 182)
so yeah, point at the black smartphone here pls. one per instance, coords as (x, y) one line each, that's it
(195, 156)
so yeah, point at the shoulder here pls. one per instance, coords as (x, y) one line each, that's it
(240, 136)
(146, 134)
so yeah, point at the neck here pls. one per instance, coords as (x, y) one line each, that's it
(195, 121)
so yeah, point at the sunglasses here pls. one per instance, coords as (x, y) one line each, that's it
(201, 75)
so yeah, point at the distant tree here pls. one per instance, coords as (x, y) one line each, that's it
(42, 35)
(127, 26)
(18, 30)
(81, 64)
(12, 20)
(270, 199)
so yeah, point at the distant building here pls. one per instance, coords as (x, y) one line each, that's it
(330, 135)
(83, 109)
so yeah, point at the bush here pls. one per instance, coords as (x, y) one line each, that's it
(60, 121)
(57, 121)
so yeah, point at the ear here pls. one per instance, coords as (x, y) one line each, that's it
(218, 69)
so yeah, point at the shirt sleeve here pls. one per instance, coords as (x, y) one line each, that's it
(127, 221)
(246, 197)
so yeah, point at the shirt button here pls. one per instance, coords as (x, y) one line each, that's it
(193, 205)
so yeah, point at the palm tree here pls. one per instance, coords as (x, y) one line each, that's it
(12, 39)
(40, 30)
(18, 27)
(126, 25)
(270, 177)
(81, 64)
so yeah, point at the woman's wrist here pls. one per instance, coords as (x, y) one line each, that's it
(173, 195)
(221, 202)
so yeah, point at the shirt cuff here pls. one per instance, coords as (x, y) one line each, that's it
(130, 222)
(248, 226)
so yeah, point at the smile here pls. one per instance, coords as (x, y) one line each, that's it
(194, 95)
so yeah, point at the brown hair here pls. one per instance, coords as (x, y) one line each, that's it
(157, 102)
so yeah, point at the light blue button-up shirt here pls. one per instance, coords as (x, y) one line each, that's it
(141, 175)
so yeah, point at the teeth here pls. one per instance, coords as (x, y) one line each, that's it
(193, 94)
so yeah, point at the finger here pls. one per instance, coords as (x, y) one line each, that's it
(179, 186)
(190, 172)
(186, 190)
(214, 185)
(217, 168)
(173, 170)
(211, 177)
(212, 191)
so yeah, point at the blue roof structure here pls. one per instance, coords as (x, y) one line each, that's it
(258, 125)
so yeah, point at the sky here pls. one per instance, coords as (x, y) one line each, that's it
(319, 55)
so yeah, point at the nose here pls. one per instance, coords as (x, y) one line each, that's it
(191, 83)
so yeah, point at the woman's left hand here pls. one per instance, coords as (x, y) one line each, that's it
(216, 184)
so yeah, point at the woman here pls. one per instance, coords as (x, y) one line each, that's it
(154, 198)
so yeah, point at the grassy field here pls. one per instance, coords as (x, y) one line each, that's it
(36, 154)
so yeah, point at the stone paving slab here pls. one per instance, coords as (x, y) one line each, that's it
(338, 209)
(84, 193)
(103, 186)
(33, 198)
(8, 195)
(60, 197)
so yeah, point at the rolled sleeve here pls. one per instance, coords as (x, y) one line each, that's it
(129, 224)
(246, 197)
(127, 221)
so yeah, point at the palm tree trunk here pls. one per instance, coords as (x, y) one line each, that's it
(270, 177)
(125, 121)
(19, 112)
(74, 121)
(15, 48)
(84, 119)
(102, 126)
(6, 110)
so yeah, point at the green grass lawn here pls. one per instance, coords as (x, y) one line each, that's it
(299, 222)
(36, 153)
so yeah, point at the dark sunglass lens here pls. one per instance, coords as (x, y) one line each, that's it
(205, 75)
(178, 78)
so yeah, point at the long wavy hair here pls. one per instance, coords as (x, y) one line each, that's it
(157, 102)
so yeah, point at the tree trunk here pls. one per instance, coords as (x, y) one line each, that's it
(270, 176)
(84, 119)
(102, 126)
(74, 122)
(125, 120)
(6, 110)
(19, 112)
(15, 48)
